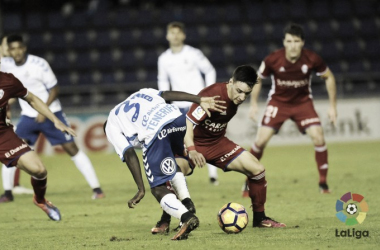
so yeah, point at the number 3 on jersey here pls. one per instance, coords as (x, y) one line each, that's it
(128, 107)
(271, 111)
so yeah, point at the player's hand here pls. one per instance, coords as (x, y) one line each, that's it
(40, 118)
(136, 199)
(253, 110)
(197, 158)
(62, 127)
(208, 103)
(332, 113)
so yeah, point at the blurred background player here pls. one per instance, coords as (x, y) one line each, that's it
(146, 118)
(180, 68)
(206, 141)
(290, 69)
(8, 182)
(35, 73)
(15, 152)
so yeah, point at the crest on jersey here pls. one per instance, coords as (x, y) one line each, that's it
(304, 68)
(198, 113)
(1, 93)
(168, 166)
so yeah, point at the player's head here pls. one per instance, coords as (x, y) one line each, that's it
(4, 46)
(175, 33)
(293, 40)
(241, 84)
(16, 48)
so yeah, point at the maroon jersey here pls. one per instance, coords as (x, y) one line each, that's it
(10, 87)
(210, 129)
(291, 81)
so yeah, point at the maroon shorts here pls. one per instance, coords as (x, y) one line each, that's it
(304, 115)
(11, 147)
(221, 153)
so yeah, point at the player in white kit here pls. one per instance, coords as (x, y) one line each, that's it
(36, 75)
(180, 68)
(145, 118)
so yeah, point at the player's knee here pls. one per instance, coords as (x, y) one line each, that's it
(40, 172)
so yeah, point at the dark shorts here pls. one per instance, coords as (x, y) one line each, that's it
(304, 115)
(159, 158)
(11, 147)
(221, 153)
(29, 130)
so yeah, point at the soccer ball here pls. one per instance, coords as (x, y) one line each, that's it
(232, 218)
(351, 209)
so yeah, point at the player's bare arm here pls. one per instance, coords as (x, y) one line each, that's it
(207, 103)
(53, 94)
(331, 90)
(134, 166)
(194, 155)
(42, 108)
(253, 110)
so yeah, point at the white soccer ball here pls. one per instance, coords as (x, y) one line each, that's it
(351, 209)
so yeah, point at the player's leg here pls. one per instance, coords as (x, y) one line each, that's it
(316, 135)
(84, 165)
(31, 163)
(7, 175)
(213, 174)
(80, 159)
(247, 164)
(264, 134)
(17, 188)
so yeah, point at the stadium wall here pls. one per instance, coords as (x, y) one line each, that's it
(358, 120)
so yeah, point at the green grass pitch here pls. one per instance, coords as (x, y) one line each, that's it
(292, 198)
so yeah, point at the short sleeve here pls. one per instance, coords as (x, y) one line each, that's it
(48, 77)
(196, 114)
(264, 70)
(18, 88)
(320, 66)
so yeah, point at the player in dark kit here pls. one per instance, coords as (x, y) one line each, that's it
(15, 152)
(207, 142)
(290, 97)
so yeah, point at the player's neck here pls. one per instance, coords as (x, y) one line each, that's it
(292, 59)
(176, 48)
(22, 62)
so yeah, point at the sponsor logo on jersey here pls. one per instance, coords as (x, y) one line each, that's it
(310, 120)
(294, 84)
(166, 132)
(168, 166)
(1, 93)
(304, 68)
(225, 157)
(15, 150)
(214, 127)
(198, 113)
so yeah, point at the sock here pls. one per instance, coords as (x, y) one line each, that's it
(212, 171)
(165, 217)
(256, 151)
(8, 177)
(83, 163)
(8, 193)
(97, 190)
(258, 191)
(322, 164)
(39, 187)
(17, 178)
(173, 206)
(179, 185)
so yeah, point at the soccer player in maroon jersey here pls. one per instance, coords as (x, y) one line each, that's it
(206, 141)
(15, 152)
(290, 69)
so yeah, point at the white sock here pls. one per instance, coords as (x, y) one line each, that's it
(84, 165)
(212, 171)
(173, 206)
(179, 185)
(8, 175)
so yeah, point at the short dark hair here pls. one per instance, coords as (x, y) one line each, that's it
(15, 38)
(295, 30)
(246, 74)
(179, 25)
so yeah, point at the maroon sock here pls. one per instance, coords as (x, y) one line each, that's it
(17, 178)
(322, 163)
(256, 151)
(39, 187)
(258, 191)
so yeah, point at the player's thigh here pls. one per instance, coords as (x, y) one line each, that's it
(247, 164)
(28, 129)
(316, 134)
(184, 165)
(275, 115)
(264, 134)
(305, 116)
(71, 148)
(32, 164)
(11, 147)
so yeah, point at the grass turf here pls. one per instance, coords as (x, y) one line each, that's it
(292, 198)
